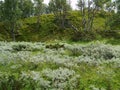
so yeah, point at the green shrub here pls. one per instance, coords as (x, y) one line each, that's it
(9, 82)
(48, 29)
(84, 36)
(21, 47)
(55, 46)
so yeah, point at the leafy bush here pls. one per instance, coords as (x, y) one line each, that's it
(21, 47)
(9, 82)
(55, 46)
(84, 36)
(110, 34)
(95, 51)
(101, 51)
(49, 30)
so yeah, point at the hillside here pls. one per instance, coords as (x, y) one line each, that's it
(27, 30)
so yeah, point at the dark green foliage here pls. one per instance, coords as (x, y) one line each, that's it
(114, 41)
(1, 10)
(60, 10)
(61, 24)
(26, 7)
(10, 82)
(14, 82)
(11, 13)
(21, 47)
(84, 36)
(110, 34)
(114, 22)
(55, 46)
(49, 30)
(118, 5)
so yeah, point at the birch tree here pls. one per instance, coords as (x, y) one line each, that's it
(11, 13)
(59, 8)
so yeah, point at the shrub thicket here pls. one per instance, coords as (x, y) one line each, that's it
(27, 29)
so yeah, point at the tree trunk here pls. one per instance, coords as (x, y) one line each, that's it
(63, 19)
(13, 31)
(38, 22)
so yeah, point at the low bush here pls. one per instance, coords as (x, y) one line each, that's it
(55, 46)
(74, 67)
(21, 47)
(84, 36)
(110, 34)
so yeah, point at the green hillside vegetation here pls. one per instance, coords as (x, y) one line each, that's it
(49, 30)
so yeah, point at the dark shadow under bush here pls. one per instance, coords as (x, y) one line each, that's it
(84, 36)
(110, 34)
